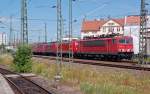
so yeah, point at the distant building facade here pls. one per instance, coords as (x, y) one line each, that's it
(132, 28)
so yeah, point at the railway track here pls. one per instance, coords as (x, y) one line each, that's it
(21, 84)
(124, 64)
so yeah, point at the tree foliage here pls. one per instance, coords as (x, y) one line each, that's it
(22, 59)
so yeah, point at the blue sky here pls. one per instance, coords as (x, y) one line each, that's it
(42, 10)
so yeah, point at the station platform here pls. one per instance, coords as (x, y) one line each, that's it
(4, 86)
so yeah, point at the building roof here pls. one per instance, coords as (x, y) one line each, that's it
(92, 25)
(120, 21)
(132, 20)
(95, 25)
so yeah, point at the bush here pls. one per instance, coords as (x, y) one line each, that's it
(22, 59)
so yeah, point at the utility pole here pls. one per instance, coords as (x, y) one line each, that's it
(2, 43)
(17, 42)
(142, 34)
(45, 32)
(59, 42)
(14, 40)
(24, 22)
(5, 40)
(11, 31)
(70, 32)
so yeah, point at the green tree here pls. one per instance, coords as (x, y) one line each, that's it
(22, 59)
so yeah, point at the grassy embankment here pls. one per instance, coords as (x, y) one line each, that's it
(92, 81)
(6, 60)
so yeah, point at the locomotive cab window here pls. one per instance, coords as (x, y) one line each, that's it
(122, 41)
(126, 41)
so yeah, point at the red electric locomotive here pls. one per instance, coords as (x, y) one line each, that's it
(119, 47)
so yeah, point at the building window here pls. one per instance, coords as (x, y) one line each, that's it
(111, 29)
(118, 28)
(110, 24)
(104, 29)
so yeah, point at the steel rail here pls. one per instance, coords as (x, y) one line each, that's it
(14, 85)
(5, 72)
(124, 65)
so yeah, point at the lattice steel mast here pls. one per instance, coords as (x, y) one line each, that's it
(142, 34)
(24, 22)
(70, 32)
(59, 41)
(45, 26)
(10, 33)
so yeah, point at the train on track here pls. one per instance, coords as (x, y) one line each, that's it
(117, 47)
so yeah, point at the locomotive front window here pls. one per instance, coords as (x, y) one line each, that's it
(125, 41)
(122, 41)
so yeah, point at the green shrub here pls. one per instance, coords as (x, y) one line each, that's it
(22, 59)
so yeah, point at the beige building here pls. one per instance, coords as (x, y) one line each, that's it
(102, 27)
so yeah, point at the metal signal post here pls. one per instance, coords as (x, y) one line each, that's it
(142, 34)
(24, 22)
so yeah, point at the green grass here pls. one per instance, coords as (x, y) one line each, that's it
(106, 88)
(90, 80)
(6, 59)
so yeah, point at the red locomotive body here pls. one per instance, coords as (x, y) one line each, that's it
(119, 47)
(66, 49)
(40, 48)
